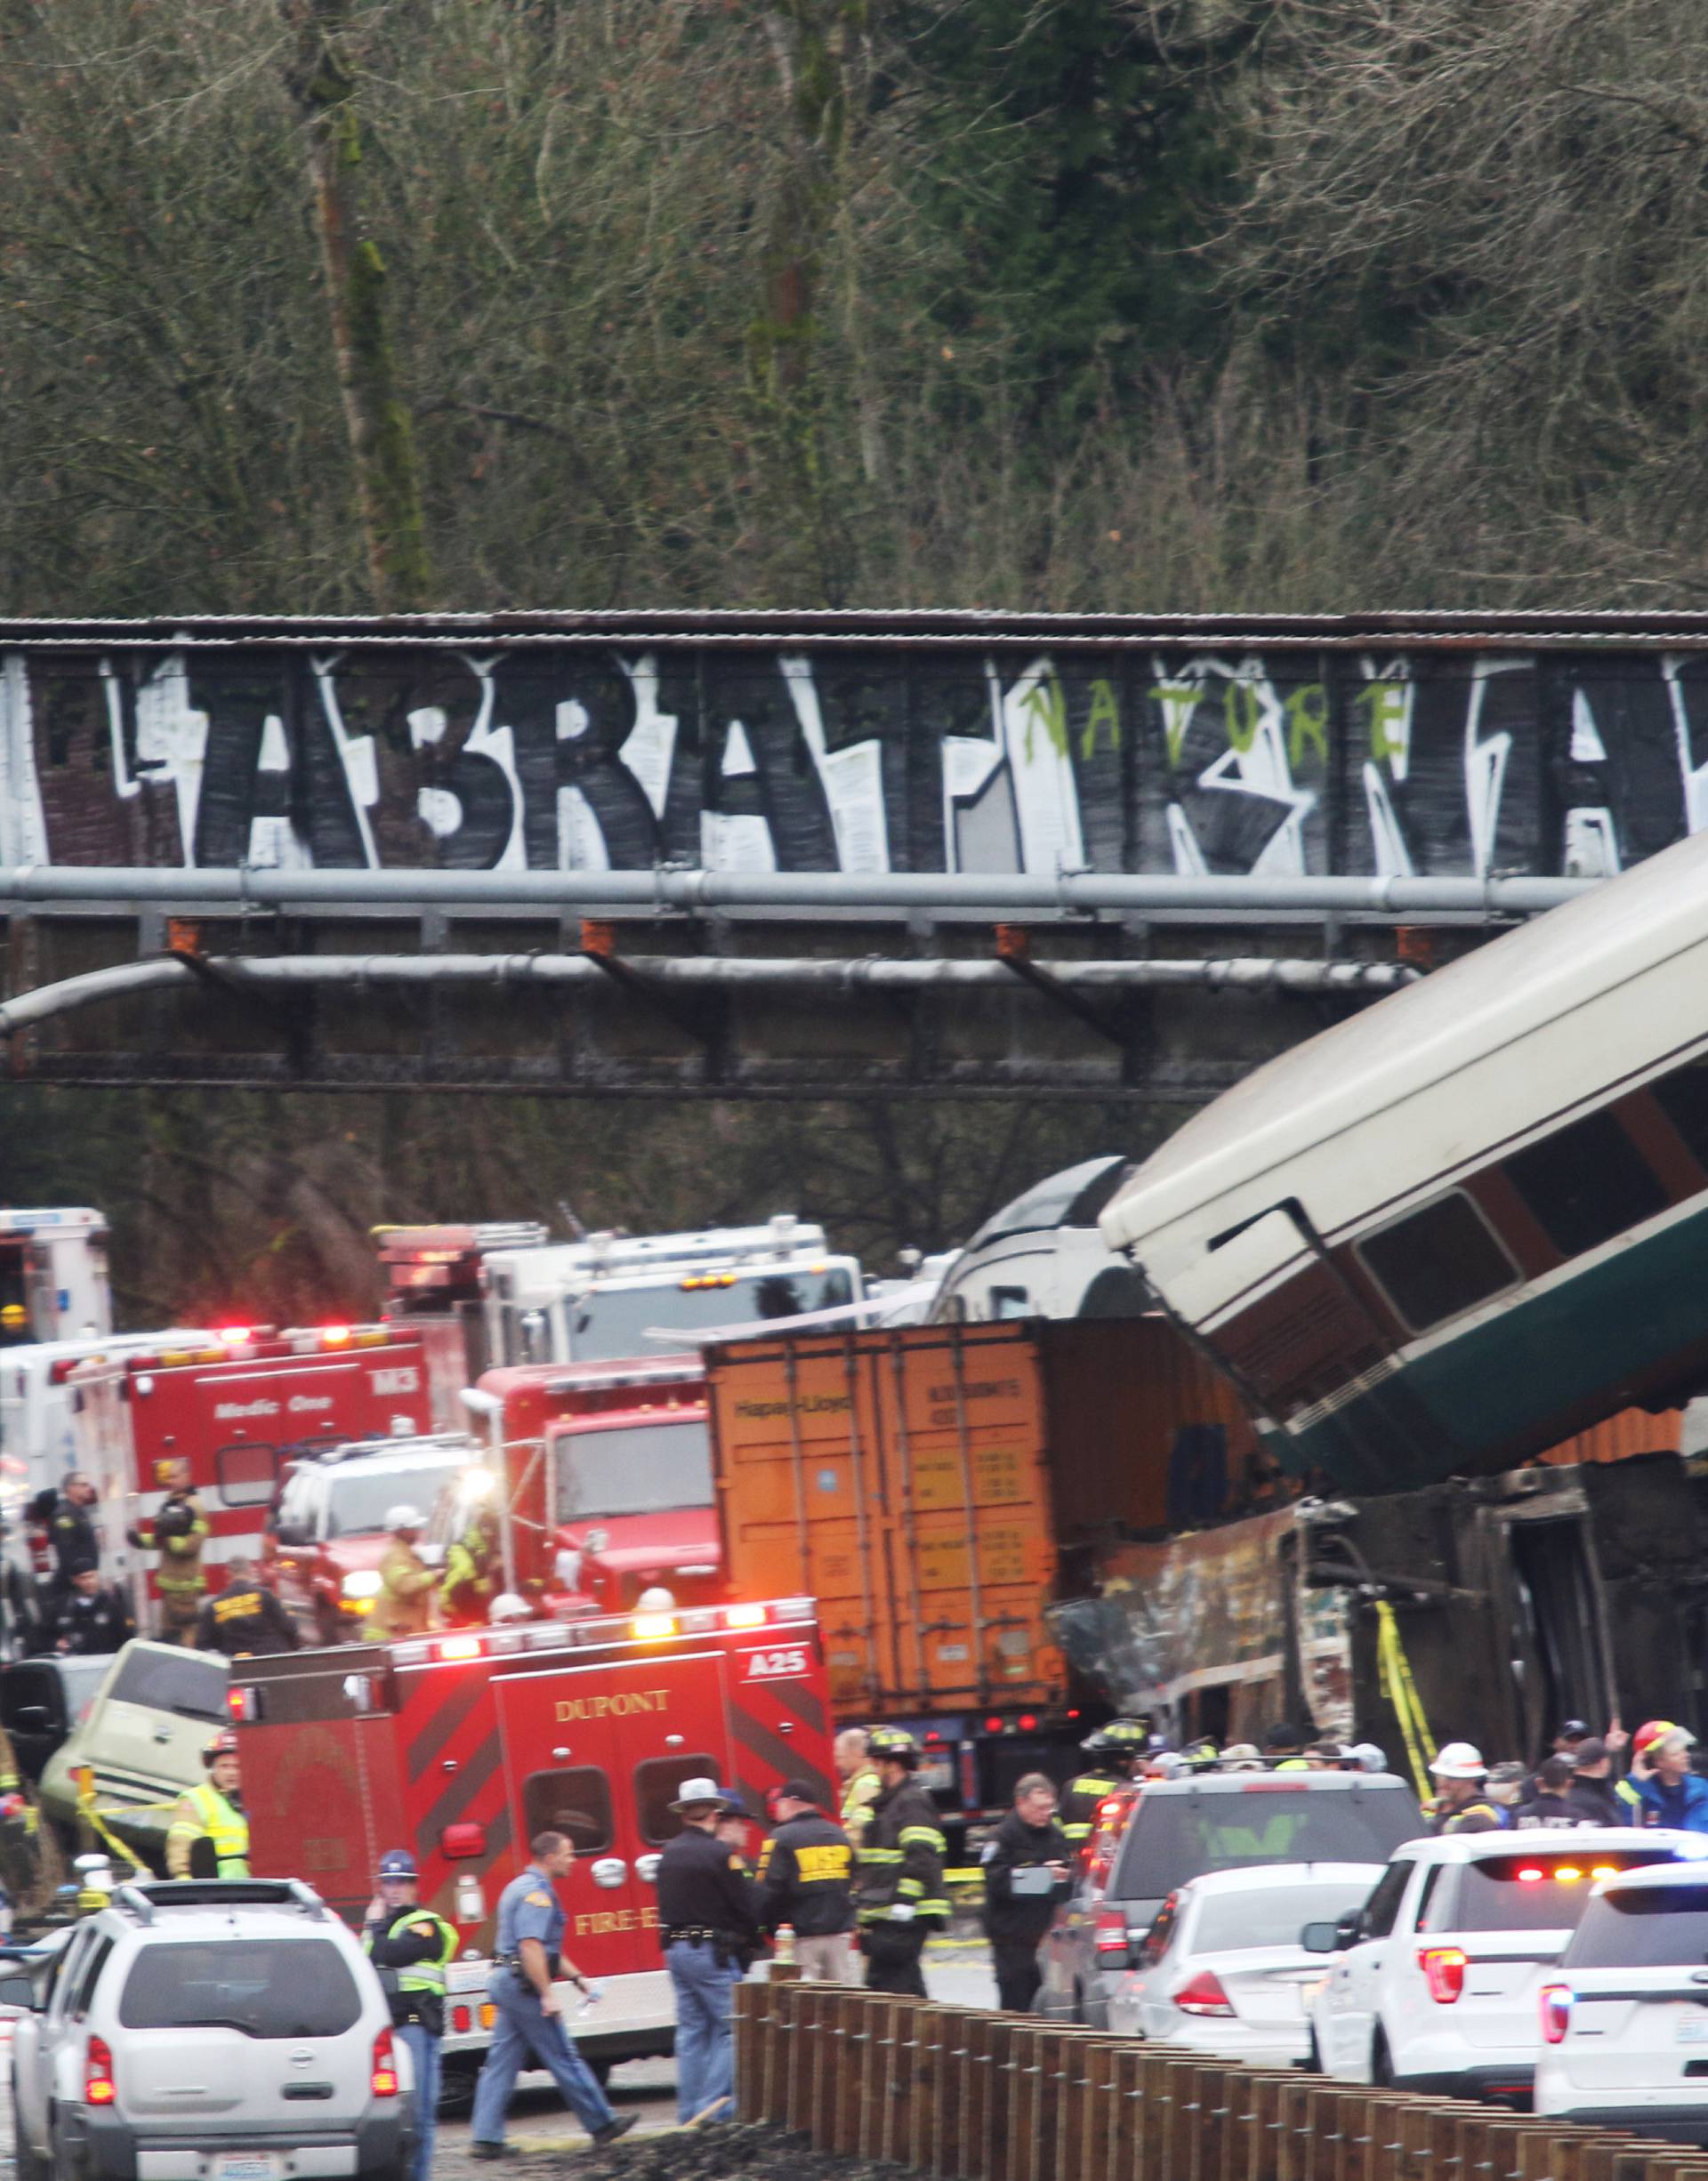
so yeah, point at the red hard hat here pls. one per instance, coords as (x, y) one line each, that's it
(223, 1745)
(1651, 1730)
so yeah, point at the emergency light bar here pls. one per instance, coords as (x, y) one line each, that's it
(258, 1344)
(593, 1377)
(467, 1646)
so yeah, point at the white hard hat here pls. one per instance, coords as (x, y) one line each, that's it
(1370, 1758)
(1458, 1760)
(656, 1599)
(508, 1607)
(403, 1516)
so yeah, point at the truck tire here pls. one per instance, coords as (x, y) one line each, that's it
(456, 2090)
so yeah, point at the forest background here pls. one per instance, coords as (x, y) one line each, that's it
(1125, 305)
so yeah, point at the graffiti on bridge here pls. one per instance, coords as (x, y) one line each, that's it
(869, 760)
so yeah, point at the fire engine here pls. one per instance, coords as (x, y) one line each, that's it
(608, 1476)
(465, 1746)
(606, 1297)
(53, 1281)
(237, 1409)
(435, 1288)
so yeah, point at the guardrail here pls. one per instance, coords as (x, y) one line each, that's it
(967, 2095)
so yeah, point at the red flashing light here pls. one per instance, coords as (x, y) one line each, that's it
(1275, 1785)
(462, 2021)
(335, 1336)
(98, 2088)
(1111, 1807)
(1443, 1969)
(233, 1336)
(383, 2080)
(1109, 1936)
(931, 1734)
(1073, 1715)
(993, 1727)
(1204, 1995)
(1556, 2012)
(1027, 1722)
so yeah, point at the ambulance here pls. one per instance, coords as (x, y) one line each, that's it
(53, 1283)
(463, 1746)
(239, 1409)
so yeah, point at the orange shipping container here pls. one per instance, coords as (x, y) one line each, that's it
(924, 1484)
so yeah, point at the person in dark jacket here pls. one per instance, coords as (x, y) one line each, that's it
(245, 1619)
(1028, 1872)
(1548, 1807)
(806, 1880)
(708, 1911)
(86, 1621)
(413, 1948)
(1597, 1797)
(71, 1529)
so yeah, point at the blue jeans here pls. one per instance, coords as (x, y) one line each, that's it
(705, 2058)
(523, 2036)
(425, 2051)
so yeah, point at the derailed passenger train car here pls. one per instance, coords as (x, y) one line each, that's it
(1439, 1237)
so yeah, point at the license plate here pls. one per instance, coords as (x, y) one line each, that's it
(1691, 2029)
(244, 2166)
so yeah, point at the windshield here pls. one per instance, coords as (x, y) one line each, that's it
(1173, 1838)
(642, 1469)
(263, 1987)
(358, 1500)
(1643, 1926)
(192, 1686)
(609, 1323)
(1531, 1892)
(1236, 1921)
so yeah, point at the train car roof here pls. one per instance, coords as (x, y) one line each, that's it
(1424, 1034)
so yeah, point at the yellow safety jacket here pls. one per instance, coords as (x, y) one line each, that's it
(429, 1976)
(404, 1606)
(861, 1792)
(181, 1557)
(204, 1814)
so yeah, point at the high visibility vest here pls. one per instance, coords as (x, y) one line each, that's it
(423, 1975)
(857, 1797)
(226, 1826)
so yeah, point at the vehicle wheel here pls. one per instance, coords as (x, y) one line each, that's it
(1382, 2066)
(456, 2091)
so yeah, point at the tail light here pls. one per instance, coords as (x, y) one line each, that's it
(383, 2080)
(1204, 1995)
(99, 2088)
(1556, 2012)
(1443, 1969)
(1110, 1933)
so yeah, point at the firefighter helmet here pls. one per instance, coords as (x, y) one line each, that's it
(176, 1519)
(1202, 1754)
(223, 1745)
(894, 1744)
(508, 1607)
(1119, 1738)
(403, 1516)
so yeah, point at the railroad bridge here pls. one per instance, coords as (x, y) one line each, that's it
(753, 855)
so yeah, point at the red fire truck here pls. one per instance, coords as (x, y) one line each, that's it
(436, 1289)
(462, 1747)
(237, 1409)
(610, 1481)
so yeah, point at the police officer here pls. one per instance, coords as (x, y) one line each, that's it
(806, 1880)
(529, 2029)
(709, 1911)
(861, 1785)
(470, 1571)
(245, 1619)
(71, 1529)
(412, 1948)
(1120, 1746)
(176, 1530)
(404, 1606)
(900, 1859)
(86, 1620)
(209, 1834)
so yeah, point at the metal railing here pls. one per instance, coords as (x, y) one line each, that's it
(969, 2095)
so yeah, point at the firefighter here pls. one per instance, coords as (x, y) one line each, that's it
(471, 1572)
(1120, 1746)
(71, 1529)
(529, 2025)
(901, 1868)
(208, 1825)
(806, 1880)
(405, 1605)
(861, 1785)
(708, 1911)
(175, 1531)
(412, 1948)
(245, 1619)
(87, 1621)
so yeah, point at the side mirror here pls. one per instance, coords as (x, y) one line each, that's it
(1324, 1938)
(20, 1991)
(291, 1532)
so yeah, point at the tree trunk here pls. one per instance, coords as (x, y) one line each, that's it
(382, 431)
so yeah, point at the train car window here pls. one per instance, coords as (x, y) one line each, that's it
(1437, 1261)
(1683, 1098)
(1585, 1184)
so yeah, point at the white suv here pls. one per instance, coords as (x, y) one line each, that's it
(1435, 1981)
(216, 2030)
(1624, 2017)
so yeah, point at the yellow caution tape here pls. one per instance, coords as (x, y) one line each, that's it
(1397, 1686)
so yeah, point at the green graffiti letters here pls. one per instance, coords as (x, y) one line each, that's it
(1386, 703)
